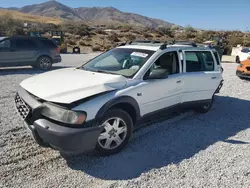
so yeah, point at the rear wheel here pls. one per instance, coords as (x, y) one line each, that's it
(44, 63)
(205, 108)
(116, 133)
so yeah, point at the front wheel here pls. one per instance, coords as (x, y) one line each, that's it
(205, 108)
(116, 133)
(44, 63)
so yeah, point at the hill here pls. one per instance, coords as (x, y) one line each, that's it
(28, 17)
(94, 14)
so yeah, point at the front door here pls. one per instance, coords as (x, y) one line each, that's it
(8, 56)
(158, 94)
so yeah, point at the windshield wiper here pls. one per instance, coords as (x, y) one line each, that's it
(107, 72)
(97, 70)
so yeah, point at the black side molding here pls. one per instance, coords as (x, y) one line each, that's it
(123, 99)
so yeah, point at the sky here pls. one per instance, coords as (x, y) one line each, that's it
(210, 14)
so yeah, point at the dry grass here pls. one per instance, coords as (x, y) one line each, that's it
(30, 18)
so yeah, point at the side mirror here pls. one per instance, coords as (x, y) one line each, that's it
(158, 74)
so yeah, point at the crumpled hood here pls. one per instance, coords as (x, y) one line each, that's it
(69, 85)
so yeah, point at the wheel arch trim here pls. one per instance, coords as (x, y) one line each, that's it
(119, 100)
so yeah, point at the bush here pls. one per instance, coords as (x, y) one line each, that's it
(72, 42)
(82, 43)
(100, 31)
(166, 31)
(130, 37)
(76, 29)
(96, 48)
(113, 37)
(147, 35)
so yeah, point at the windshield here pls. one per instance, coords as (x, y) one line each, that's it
(121, 61)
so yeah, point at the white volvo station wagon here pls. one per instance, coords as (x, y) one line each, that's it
(98, 106)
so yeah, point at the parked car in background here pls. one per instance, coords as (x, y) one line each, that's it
(124, 86)
(242, 55)
(243, 70)
(23, 51)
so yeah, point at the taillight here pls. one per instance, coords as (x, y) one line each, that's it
(58, 50)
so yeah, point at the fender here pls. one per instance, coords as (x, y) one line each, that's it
(119, 100)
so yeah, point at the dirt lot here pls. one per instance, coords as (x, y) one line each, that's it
(191, 150)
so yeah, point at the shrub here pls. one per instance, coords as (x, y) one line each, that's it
(96, 48)
(71, 42)
(130, 37)
(82, 43)
(113, 37)
(147, 35)
(100, 31)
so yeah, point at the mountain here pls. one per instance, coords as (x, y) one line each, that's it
(94, 14)
(113, 14)
(52, 9)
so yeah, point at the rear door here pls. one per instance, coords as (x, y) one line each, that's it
(27, 51)
(201, 75)
(8, 56)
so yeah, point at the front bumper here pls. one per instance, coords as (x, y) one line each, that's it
(66, 139)
(60, 137)
(242, 74)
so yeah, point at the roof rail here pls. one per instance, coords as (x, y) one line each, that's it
(162, 44)
(145, 42)
(190, 43)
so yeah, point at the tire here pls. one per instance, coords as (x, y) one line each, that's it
(205, 108)
(44, 63)
(237, 60)
(110, 141)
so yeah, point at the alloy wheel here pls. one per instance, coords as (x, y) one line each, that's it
(113, 134)
(45, 63)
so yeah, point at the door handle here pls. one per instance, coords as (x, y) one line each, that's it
(178, 81)
(214, 77)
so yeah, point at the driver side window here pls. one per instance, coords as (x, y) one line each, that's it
(168, 61)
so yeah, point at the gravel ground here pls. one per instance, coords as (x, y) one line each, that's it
(191, 150)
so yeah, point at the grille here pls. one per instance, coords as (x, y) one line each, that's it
(23, 109)
(248, 68)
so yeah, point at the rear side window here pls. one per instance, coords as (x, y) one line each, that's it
(199, 61)
(5, 44)
(25, 44)
(49, 43)
(216, 55)
(208, 61)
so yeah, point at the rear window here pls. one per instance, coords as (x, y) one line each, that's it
(49, 43)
